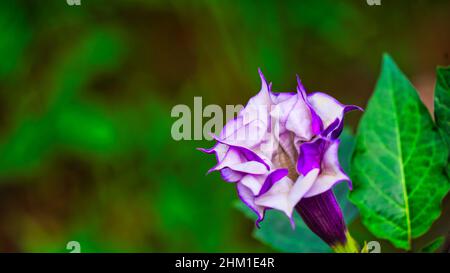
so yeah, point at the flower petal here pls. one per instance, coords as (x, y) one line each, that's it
(277, 196)
(246, 195)
(331, 171)
(329, 110)
(251, 167)
(271, 179)
(245, 135)
(251, 124)
(310, 156)
(327, 107)
(219, 149)
(253, 182)
(231, 176)
(301, 187)
(235, 161)
(284, 194)
(247, 153)
(316, 122)
(299, 121)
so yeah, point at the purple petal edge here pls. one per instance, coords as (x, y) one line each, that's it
(264, 81)
(271, 179)
(260, 216)
(337, 132)
(316, 122)
(249, 154)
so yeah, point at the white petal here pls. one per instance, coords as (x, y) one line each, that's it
(230, 175)
(277, 196)
(253, 182)
(327, 107)
(252, 167)
(299, 120)
(246, 195)
(301, 187)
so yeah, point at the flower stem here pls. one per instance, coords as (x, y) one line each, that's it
(351, 246)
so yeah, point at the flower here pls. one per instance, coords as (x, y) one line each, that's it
(281, 150)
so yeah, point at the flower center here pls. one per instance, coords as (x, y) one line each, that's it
(283, 159)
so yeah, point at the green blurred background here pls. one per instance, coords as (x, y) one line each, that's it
(86, 92)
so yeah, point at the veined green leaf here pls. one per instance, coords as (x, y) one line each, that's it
(442, 102)
(399, 162)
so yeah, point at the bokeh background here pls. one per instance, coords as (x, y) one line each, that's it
(86, 92)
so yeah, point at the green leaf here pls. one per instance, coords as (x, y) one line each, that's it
(276, 230)
(399, 162)
(442, 102)
(13, 23)
(434, 245)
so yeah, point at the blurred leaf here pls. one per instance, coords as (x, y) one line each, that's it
(276, 230)
(83, 127)
(310, 16)
(14, 35)
(100, 50)
(26, 146)
(442, 102)
(68, 122)
(398, 162)
(434, 245)
(346, 148)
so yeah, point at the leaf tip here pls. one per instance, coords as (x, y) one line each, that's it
(387, 60)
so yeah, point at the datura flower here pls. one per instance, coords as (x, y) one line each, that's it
(281, 152)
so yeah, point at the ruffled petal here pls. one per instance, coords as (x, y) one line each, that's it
(219, 149)
(235, 161)
(316, 122)
(310, 156)
(331, 171)
(253, 182)
(251, 167)
(279, 97)
(247, 197)
(285, 194)
(271, 179)
(229, 175)
(231, 158)
(250, 126)
(330, 111)
(281, 111)
(249, 154)
(245, 135)
(299, 120)
(301, 187)
(277, 196)
(327, 107)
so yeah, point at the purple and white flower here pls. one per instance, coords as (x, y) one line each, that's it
(281, 152)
